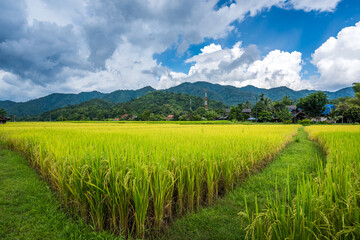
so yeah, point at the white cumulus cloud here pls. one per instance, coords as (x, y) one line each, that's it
(338, 59)
(240, 66)
(319, 5)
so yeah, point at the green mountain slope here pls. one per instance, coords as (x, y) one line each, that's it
(120, 96)
(52, 101)
(157, 102)
(229, 95)
(165, 103)
(57, 100)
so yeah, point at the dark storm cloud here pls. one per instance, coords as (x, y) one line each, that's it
(12, 19)
(144, 25)
(42, 51)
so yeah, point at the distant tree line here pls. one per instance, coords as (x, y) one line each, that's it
(3, 112)
(264, 110)
(347, 109)
(156, 106)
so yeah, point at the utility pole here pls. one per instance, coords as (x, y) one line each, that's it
(50, 117)
(190, 105)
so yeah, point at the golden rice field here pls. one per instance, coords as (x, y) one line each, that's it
(326, 205)
(134, 178)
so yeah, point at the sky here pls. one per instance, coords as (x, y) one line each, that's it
(72, 46)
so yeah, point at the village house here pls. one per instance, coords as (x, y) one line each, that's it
(246, 111)
(296, 113)
(3, 120)
(227, 112)
(292, 109)
(325, 114)
(170, 117)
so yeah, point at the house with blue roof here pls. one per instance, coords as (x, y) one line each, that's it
(298, 114)
(325, 114)
(328, 109)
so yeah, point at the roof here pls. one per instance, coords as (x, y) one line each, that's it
(4, 118)
(223, 118)
(246, 110)
(291, 107)
(328, 108)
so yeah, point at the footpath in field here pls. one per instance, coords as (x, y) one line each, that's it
(28, 209)
(222, 221)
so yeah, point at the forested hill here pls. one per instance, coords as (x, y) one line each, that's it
(229, 95)
(58, 100)
(157, 103)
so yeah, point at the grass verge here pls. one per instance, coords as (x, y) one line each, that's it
(28, 208)
(222, 221)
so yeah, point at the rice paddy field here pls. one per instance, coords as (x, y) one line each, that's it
(132, 179)
(327, 204)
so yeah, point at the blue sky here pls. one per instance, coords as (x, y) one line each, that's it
(71, 46)
(277, 28)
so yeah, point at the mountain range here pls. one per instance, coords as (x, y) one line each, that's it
(156, 104)
(229, 95)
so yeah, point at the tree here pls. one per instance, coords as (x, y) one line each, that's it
(265, 116)
(236, 113)
(356, 87)
(265, 104)
(61, 118)
(201, 111)
(334, 115)
(145, 116)
(259, 107)
(247, 105)
(286, 101)
(279, 106)
(356, 100)
(3, 113)
(268, 104)
(211, 115)
(283, 114)
(313, 104)
(194, 117)
(352, 114)
(154, 117)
